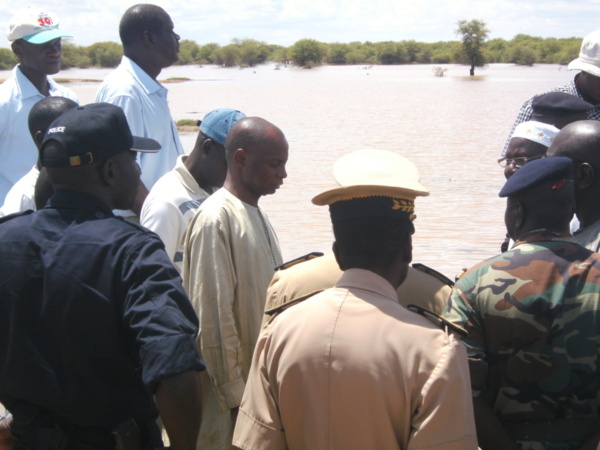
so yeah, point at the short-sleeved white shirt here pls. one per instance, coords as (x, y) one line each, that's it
(18, 152)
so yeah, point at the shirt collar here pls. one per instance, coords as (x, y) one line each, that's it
(149, 84)
(185, 177)
(27, 88)
(80, 201)
(367, 281)
(544, 235)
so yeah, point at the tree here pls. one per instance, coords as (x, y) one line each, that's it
(7, 59)
(228, 56)
(473, 35)
(207, 53)
(307, 53)
(74, 56)
(336, 53)
(105, 54)
(522, 55)
(188, 52)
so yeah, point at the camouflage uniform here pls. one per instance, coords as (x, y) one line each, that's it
(533, 318)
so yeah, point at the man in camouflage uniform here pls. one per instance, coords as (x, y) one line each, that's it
(533, 320)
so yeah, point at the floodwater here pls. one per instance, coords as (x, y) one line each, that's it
(452, 128)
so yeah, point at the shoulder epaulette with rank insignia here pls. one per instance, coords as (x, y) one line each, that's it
(299, 260)
(17, 214)
(438, 320)
(434, 273)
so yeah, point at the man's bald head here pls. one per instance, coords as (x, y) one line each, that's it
(579, 141)
(251, 133)
(257, 153)
(138, 19)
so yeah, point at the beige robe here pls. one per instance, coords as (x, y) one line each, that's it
(228, 264)
(350, 368)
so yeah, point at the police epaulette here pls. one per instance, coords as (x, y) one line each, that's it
(434, 273)
(437, 319)
(17, 214)
(299, 260)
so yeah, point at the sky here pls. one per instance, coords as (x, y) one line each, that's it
(284, 22)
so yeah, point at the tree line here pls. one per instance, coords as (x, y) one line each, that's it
(523, 49)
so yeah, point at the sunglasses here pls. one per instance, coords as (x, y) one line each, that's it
(517, 162)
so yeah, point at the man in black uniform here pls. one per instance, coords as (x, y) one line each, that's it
(94, 321)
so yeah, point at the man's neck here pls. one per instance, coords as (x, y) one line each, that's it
(193, 164)
(39, 80)
(145, 64)
(241, 194)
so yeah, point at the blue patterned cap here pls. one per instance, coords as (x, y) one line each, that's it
(216, 124)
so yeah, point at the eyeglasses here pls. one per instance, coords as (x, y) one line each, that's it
(517, 162)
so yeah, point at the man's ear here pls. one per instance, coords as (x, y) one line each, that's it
(109, 169)
(240, 157)
(585, 176)
(336, 253)
(148, 39)
(207, 145)
(17, 49)
(38, 138)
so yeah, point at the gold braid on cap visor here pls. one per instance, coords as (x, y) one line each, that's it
(399, 204)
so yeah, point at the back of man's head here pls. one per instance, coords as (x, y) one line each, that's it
(371, 243)
(540, 195)
(138, 19)
(249, 133)
(80, 145)
(44, 112)
(579, 141)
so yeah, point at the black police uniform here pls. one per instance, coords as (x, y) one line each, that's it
(92, 316)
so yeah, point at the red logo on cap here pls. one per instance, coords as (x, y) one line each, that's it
(45, 21)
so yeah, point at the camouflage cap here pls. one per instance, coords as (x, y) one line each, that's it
(558, 169)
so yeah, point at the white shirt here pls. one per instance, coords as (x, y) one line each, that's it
(17, 149)
(170, 206)
(144, 101)
(21, 195)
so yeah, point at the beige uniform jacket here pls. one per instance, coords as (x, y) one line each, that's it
(303, 280)
(350, 368)
(228, 264)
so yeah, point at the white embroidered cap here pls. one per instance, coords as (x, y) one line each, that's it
(539, 132)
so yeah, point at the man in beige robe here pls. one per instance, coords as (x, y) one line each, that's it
(350, 367)
(230, 255)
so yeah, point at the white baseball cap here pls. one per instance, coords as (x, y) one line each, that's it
(35, 25)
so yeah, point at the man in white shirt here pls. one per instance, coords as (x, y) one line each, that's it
(176, 196)
(35, 39)
(21, 196)
(149, 45)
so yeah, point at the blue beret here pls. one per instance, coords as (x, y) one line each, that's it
(557, 168)
(559, 104)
